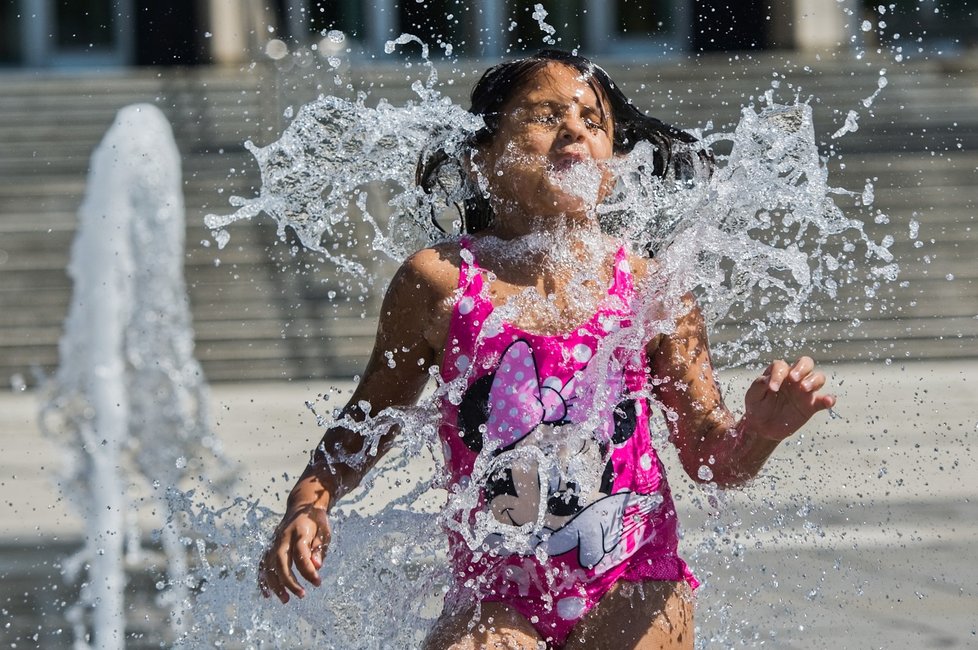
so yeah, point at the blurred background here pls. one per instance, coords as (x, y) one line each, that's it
(274, 328)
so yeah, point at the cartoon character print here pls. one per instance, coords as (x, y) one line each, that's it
(549, 474)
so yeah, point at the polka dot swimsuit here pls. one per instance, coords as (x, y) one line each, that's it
(552, 432)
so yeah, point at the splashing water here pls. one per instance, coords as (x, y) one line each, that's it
(331, 154)
(128, 404)
(540, 15)
(750, 235)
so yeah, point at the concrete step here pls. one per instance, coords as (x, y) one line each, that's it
(255, 319)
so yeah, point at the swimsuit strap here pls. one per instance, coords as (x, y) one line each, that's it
(622, 283)
(470, 310)
(470, 278)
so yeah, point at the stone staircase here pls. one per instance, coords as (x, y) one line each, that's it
(241, 301)
(256, 317)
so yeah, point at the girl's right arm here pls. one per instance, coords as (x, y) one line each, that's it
(410, 336)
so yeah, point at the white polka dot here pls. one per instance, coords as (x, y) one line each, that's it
(610, 324)
(462, 363)
(582, 352)
(645, 462)
(513, 412)
(465, 305)
(553, 383)
(528, 362)
(570, 608)
(520, 375)
(624, 266)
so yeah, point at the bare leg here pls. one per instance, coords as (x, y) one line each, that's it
(650, 615)
(497, 627)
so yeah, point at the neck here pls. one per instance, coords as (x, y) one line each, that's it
(512, 224)
(560, 249)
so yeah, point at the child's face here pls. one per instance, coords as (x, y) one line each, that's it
(553, 137)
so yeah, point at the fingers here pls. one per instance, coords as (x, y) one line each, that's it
(301, 546)
(825, 402)
(801, 377)
(805, 378)
(283, 568)
(304, 554)
(268, 579)
(801, 374)
(275, 573)
(812, 382)
(776, 374)
(802, 368)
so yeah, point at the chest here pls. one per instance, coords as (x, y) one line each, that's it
(547, 307)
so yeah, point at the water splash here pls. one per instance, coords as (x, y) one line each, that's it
(334, 152)
(540, 15)
(128, 405)
(752, 234)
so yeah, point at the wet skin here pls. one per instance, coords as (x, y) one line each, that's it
(556, 122)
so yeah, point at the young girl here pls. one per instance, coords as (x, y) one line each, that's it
(577, 541)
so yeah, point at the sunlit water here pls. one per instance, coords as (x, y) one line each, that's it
(749, 238)
(127, 406)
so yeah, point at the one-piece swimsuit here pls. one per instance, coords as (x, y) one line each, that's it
(547, 440)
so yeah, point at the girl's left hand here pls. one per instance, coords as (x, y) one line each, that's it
(784, 398)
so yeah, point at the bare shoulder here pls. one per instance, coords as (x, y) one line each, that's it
(430, 273)
(419, 299)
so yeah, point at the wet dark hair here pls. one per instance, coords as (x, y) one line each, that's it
(501, 82)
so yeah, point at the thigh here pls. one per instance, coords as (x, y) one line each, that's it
(638, 616)
(496, 626)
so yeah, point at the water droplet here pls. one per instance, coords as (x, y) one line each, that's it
(704, 473)
(222, 237)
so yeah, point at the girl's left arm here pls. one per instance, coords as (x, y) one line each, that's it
(706, 433)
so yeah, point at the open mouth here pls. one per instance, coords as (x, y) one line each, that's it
(568, 161)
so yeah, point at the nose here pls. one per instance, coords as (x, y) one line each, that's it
(573, 128)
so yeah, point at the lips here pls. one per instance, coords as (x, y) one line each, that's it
(568, 160)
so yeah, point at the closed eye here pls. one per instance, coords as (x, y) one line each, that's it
(593, 120)
(593, 125)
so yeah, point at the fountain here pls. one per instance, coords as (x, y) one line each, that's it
(128, 405)
(759, 238)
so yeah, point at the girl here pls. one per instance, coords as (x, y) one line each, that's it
(577, 542)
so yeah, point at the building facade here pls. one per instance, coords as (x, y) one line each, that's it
(106, 33)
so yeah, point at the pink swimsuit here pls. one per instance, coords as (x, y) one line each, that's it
(572, 496)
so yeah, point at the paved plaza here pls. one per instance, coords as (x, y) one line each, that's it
(860, 534)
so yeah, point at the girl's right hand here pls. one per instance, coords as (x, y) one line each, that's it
(413, 326)
(300, 540)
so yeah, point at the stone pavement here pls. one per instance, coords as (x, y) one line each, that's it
(860, 534)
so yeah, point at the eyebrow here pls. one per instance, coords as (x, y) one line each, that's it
(585, 106)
